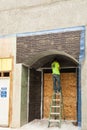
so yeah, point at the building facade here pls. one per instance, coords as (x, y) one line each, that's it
(32, 34)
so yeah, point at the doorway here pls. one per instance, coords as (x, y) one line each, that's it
(40, 89)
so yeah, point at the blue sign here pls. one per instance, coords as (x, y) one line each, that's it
(3, 92)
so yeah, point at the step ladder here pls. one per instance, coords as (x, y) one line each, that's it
(55, 115)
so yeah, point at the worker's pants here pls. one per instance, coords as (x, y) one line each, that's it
(56, 83)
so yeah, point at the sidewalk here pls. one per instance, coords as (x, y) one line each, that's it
(2, 128)
(43, 125)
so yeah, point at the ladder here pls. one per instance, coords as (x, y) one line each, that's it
(55, 115)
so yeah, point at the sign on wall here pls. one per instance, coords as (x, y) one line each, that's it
(4, 101)
(6, 64)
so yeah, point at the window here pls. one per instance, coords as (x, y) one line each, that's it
(6, 74)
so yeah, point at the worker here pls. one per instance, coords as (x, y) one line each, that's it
(56, 75)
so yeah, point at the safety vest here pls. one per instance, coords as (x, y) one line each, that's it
(55, 68)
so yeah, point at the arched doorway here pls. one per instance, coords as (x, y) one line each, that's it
(40, 68)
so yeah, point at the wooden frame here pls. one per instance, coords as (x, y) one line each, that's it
(11, 88)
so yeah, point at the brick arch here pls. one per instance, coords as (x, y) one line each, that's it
(45, 56)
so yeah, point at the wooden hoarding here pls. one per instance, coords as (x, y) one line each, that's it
(69, 90)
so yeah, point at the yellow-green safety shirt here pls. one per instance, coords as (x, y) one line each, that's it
(55, 68)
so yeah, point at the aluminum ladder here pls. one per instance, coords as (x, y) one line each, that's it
(55, 115)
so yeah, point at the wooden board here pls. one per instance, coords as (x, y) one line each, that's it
(69, 90)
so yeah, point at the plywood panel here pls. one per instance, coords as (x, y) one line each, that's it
(68, 84)
(48, 90)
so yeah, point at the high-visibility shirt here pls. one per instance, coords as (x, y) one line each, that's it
(55, 68)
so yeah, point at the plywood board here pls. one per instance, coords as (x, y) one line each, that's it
(69, 90)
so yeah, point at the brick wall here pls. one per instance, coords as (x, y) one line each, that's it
(30, 46)
(34, 95)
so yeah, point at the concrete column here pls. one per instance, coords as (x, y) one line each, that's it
(16, 96)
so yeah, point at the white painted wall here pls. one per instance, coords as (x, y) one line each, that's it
(8, 47)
